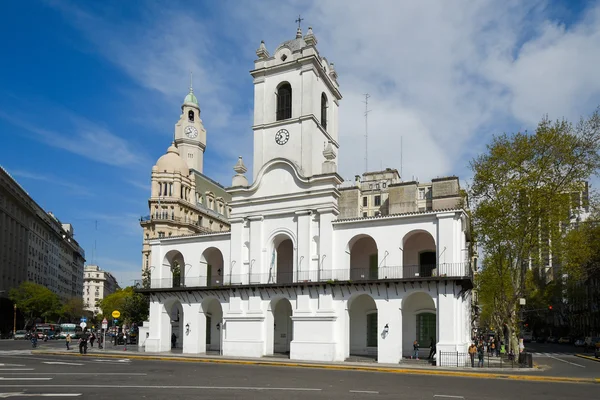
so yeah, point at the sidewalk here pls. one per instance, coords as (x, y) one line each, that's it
(406, 367)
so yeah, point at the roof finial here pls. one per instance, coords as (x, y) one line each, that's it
(299, 30)
(191, 88)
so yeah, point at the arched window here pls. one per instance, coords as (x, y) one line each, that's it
(284, 102)
(324, 111)
(191, 116)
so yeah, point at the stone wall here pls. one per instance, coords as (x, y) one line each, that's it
(445, 193)
(349, 203)
(402, 197)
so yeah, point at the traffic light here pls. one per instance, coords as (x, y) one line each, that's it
(550, 308)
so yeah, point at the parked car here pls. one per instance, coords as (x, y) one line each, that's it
(551, 339)
(20, 335)
(579, 342)
(564, 340)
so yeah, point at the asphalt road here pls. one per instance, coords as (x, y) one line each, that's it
(96, 378)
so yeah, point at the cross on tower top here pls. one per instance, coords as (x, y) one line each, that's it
(299, 20)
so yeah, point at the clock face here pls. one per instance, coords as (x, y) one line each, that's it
(191, 131)
(282, 136)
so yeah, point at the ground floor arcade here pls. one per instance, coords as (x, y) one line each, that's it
(320, 322)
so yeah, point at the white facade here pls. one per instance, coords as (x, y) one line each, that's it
(291, 277)
(97, 284)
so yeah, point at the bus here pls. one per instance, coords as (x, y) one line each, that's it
(69, 329)
(46, 330)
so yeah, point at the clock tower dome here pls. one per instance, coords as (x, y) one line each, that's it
(296, 99)
(190, 135)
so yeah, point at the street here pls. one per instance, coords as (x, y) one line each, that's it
(93, 377)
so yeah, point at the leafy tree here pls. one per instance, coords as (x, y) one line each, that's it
(132, 306)
(72, 309)
(521, 190)
(34, 301)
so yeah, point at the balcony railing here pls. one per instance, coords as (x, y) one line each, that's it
(405, 272)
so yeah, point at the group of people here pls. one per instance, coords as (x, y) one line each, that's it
(432, 349)
(493, 347)
(83, 341)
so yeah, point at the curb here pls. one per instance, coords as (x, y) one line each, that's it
(588, 357)
(482, 375)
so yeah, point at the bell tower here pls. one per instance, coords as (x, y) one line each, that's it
(296, 99)
(190, 135)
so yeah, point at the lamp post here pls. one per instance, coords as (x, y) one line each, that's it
(15, 321)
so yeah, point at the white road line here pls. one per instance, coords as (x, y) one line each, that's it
(126, 360)
(22, 394)
(568, 362)
(79, 373)
(2, 378)
(290, 389)
(447, 396)
(11, 365)
(364, 391)
(59, 363)
(17, 369)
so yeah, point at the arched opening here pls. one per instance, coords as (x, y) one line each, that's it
(418, 323)
(283, 326)
(419, 257)
(176, 317)
(213, 311)
(324, 111)
(281, 269)
(212, 266)
(175, 262)
(284, 101)
(363, 258)
(362, 312)
(191, 116)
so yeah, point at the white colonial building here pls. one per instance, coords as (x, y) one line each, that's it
(295, 274)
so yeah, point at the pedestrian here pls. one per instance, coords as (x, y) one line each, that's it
(174, 340)
(480, 353)
(416, 350)
(432, 347)
(472, 352)
(100, 341)
(493, 348)
(68, 341)
(83, 341)
(92, 338)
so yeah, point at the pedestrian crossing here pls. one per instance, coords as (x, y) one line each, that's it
(12, 375)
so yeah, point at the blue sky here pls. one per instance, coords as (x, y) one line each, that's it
(90, 91)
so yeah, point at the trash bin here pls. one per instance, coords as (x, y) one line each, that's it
(526, 360)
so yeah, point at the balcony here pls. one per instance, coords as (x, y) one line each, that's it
(406, 273)
(195, 224)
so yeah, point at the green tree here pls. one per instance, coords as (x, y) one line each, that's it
(72, 309)
(521, 191)
(132, 306)
(34, 301)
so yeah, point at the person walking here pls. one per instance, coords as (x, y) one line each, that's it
(480, 353)
(472, 352)
(83, 341)
(416, 350)
(173, 340)
(68, 341)
(432, 347)
(92, 338)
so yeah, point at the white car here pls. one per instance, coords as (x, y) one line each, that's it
(20, 335)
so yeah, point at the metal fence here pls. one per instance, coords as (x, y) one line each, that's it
(405, 272)
(464, 360)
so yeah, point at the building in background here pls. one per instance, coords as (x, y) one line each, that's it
(34, 246)
(97, 284)
(183, 201)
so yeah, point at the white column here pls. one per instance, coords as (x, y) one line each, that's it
(257, 257)
(235, 265)
(327, 258)
(303, 249)
(194, 341)
(159, 339)
(389, 346)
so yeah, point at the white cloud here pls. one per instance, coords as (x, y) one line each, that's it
(72, 188)
(443, 76)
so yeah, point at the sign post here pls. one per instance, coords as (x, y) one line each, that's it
(116, 314)
(104, 327)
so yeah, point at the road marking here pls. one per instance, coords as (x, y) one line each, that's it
(16, 369)
(80, 373)
(23, 394)
(364, 391)
(59, 363)
(11, 365)
(290, 389)
(447, 396)
(125, 360)
(24, 379)
(568, 362)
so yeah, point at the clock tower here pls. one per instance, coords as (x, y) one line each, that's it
(190, 135)
(296, 98)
